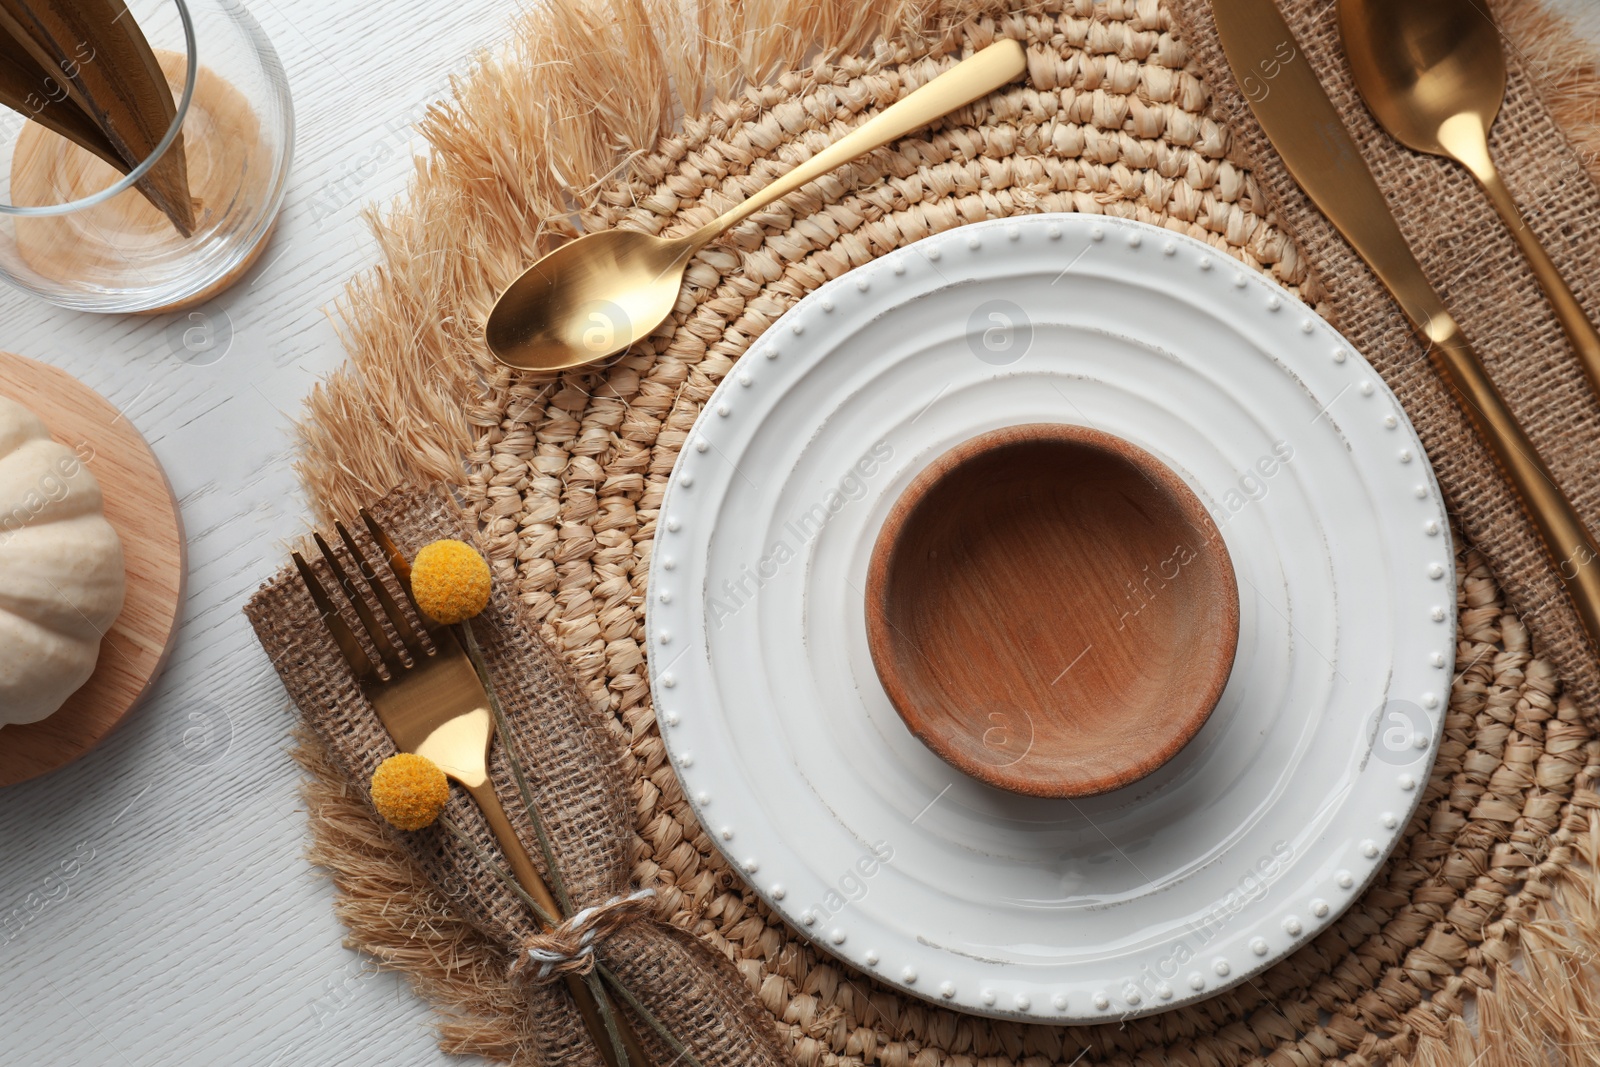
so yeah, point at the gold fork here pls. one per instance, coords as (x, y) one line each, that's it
(434, 705)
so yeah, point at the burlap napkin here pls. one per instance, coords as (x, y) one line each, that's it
(1472, 259)
(572, 767)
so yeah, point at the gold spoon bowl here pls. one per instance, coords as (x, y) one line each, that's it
(1433, 74)
(595, 296)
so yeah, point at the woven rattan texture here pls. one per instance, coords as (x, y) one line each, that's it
(566, 476)
(568, 481)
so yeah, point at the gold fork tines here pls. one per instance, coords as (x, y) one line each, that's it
(430, 699)
(343, 636)
(374, 629)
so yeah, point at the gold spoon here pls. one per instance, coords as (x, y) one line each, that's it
(597, 295)
(1434, 76)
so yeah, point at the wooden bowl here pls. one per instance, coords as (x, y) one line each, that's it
(1052, 610)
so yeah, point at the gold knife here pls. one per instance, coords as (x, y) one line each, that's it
(1304, 127)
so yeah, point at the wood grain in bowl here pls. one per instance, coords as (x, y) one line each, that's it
(1052, 610)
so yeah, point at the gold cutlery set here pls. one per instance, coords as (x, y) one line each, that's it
(430, 699)
(587, 300)
(1433, 76)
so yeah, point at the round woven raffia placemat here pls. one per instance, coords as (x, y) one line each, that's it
(565, 477)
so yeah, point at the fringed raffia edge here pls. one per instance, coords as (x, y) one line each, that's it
(401, 411)
(1544, 1003)
(381, 894)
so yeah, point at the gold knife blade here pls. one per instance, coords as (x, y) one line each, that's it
(1305, 128)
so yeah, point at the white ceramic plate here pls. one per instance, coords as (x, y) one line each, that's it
(1238, 851)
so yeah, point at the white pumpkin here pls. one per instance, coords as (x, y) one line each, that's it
(61, 573)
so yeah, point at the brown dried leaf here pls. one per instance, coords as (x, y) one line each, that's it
(31, 91)
(109, 70)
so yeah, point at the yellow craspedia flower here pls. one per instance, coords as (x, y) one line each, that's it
(450, 581)
(409, 791)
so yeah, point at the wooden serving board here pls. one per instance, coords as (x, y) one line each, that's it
(139, 504)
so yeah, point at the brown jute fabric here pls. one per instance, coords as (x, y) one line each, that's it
(579, 122)
(571, 765)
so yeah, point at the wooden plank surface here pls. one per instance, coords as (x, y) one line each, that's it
(140, 507)
(156, 906)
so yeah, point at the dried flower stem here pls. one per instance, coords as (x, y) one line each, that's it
(557, 885)
(682, 1050)
(602, 1003)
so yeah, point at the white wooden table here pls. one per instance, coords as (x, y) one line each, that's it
(155, 904)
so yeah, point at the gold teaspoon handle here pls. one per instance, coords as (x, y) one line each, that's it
(1580, 331)
(1464, 138)
(972, 79)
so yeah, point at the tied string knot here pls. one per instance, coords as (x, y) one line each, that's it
(568, 948)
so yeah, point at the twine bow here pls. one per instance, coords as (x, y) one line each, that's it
(569, 947)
